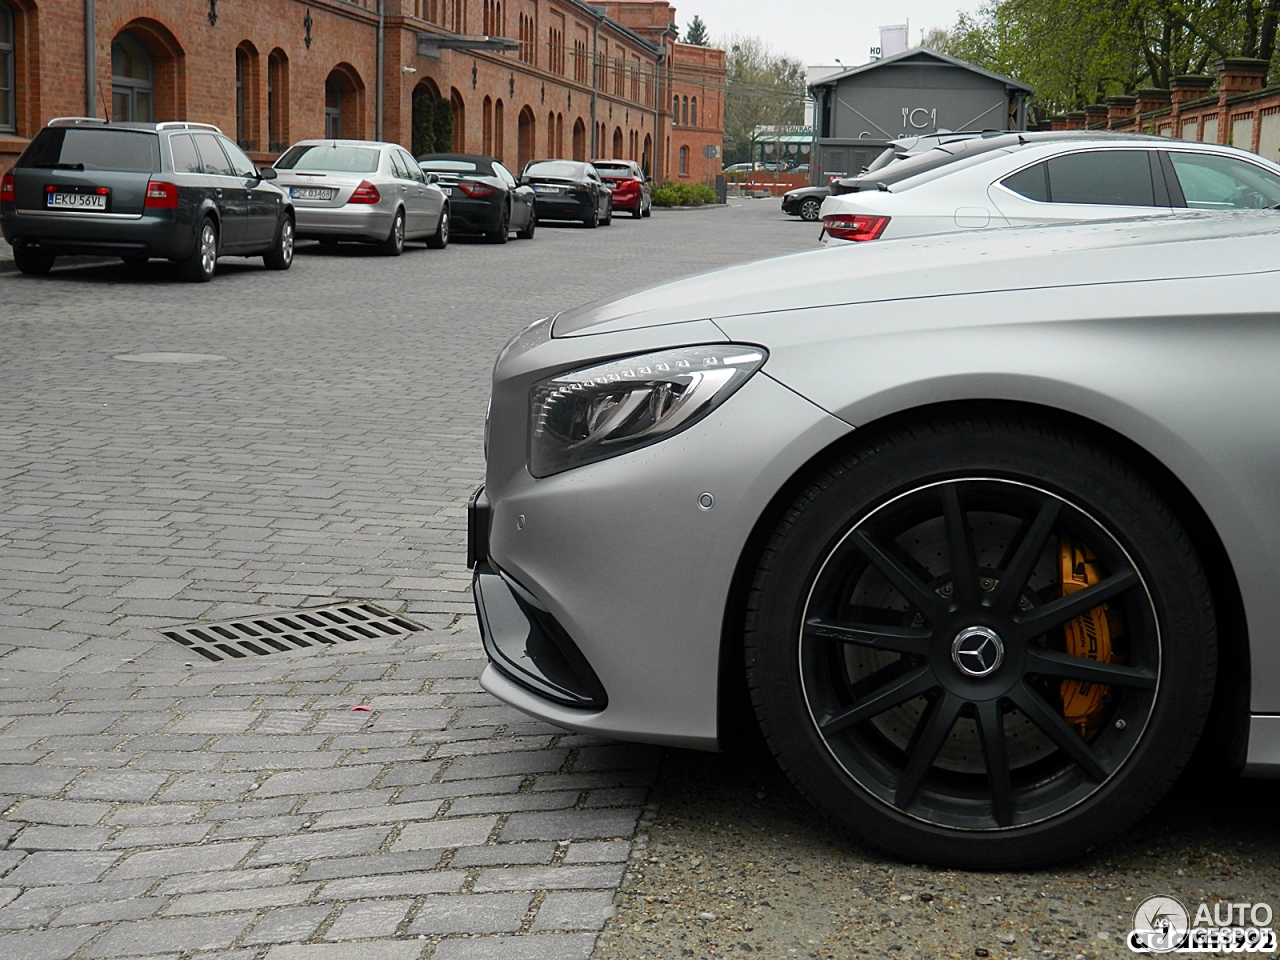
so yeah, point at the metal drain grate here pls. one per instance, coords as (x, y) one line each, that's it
(311, 629)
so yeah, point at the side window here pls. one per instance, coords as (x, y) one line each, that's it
(211, 155)
(1032, 183)
(1212, 182)
(185, 158)
(397, 166)
(411, 167)
(1111, 177)
(504, 174)
(240, 163)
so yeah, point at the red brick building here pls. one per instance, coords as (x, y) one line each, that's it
(573, 79)
(1232, 108)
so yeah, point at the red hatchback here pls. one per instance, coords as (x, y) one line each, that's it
(631, 188)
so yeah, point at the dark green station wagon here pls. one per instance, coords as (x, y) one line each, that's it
(177, 190)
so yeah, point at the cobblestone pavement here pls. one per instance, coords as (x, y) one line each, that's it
(322, 450)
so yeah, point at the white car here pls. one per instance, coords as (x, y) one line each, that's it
(1030, 178)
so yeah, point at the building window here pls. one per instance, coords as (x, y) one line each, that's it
(486, 125)
(497, 130)
(635, 78)
(8, 71)
(684, 161)
(675, 110)
(527, 33)
(580, 61)
(693, 112)
(332, 109)
(133, 92)
(277, 101)
(684, 111)
(619, 75)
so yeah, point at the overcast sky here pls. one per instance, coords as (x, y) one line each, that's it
(819, 32)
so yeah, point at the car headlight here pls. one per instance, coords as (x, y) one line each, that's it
(611, 408)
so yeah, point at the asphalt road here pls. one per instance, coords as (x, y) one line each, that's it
(319, 446)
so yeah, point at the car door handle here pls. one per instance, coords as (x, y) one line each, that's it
(217, 192)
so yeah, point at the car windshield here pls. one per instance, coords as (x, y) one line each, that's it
(454, 166)
(554, 168)
(116, 150)
(330, 158)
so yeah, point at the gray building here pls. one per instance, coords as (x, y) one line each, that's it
(857, 111)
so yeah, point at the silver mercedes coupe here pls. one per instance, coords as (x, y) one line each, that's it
(987, 525)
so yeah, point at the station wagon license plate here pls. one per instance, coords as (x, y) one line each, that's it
(311, 193)
(75, 201)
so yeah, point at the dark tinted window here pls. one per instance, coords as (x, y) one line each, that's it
(456, 166)
(327, 157)
(185, 158)
(211, 155)
(240, 163)
(555, 168)
(1113, 177)
(1032, 183)
(118, 150)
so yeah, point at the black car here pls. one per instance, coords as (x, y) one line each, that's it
(570, 190)
(177, 190)
(484, 196)
(805, 202)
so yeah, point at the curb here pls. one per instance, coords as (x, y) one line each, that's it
(705, 206)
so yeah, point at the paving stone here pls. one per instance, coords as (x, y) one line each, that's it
(445, 833)
(599, 851)
(347, 801)
(410, 774)
(123, 785)
(250, 809)
(471, 913)
(288, 925)
(43, 868)
(503, 854)
(8, 894)
(570, 824)
(373, 865)
(227, 900)
(44, 944)
(160, 836)
(81, 913)
(574, 946)
(327, 781)
(342, 951)
(157, 936)
(226, 880)
(59, 812)
(164, 863)
(388, 813)
(548, 878)
(61, 838)
(64, 894)
(271, 827)
(574, 911)
(378, 918)
(464, 806)
(34, 781)
(464, 788)
(332, 843)
(496, 765)
(393, 885)
(209, 786)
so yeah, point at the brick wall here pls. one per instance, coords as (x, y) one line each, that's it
(637, 64)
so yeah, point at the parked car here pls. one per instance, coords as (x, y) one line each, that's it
(569, 190)
(985, 559)
(632, 189)
(1027, 178)
(484, 195)
(364, 191)
(805, 202)
(177, 190)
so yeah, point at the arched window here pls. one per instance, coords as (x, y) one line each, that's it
(248, 111)
(675, 110)
(551, 134)
(684, 161)
(684, 112)
(277, 101)
(579, 140)
(459, 121)
(498, 123)
(693, 112)
(8, 70)
(133, 91)
(617, 143)
(332, 109)
(486, 125)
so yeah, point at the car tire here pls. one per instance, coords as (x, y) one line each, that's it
(648, 210)
(503, 232)
(811, 209)
(34, 263)
(638, 212)
(608, 216)
(864, 719)
(393, 246)
(280, 256)
(531, 227)
(440, 239)
(201, 265)
(592, 219)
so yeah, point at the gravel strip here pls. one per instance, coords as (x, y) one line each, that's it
(738, 864)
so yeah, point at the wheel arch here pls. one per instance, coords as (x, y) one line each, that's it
(1226, 734)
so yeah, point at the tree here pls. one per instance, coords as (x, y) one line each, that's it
(432, 130)
(762, 88)
(696, 33)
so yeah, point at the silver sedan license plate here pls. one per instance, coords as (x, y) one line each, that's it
(76, 201)
(311, 193)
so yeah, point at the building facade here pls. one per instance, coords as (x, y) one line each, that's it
(516, 79)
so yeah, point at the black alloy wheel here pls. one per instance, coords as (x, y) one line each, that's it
(531, 227)
(503, 232)
(811, 209)
(34, 263)
(201, 265)
(608, 214)
(280, 256)
(592, 219)
(638, 212)
(440, 239)
(393, 246)
(981, 644)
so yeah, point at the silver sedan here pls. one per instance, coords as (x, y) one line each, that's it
(980, 527)
(362, 190)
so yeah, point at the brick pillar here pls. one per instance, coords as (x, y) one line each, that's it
(1074, 120)
(1095, 115)
(1150, 100)
(1058, 122)
(1120, 112)
(1236, 75)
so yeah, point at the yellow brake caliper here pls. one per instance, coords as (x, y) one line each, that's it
(1088, 635)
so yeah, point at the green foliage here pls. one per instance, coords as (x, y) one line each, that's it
(1076, 52)
(432, 125)
(696, 33)
(762, 88)
(674, 193)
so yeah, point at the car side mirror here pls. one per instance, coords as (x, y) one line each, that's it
(523, 181)
(433, 178)
(267, 173)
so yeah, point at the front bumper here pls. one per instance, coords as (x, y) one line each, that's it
(619, 555)
(157, 233)
(353, 221)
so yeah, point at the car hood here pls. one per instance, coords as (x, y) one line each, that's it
(1194, 243)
